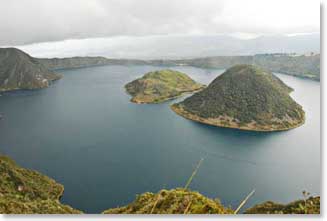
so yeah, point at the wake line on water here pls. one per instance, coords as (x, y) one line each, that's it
(229, 157)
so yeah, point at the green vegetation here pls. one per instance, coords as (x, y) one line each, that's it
(183, 201)
(305, 66)
(25, 191)
(300, 66)
(175, 201)
(307, 206)
(159, 86)
(244, 97)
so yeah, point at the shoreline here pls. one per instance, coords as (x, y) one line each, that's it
(182, 93)
(183, 113)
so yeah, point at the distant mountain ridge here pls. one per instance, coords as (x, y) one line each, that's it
(307, 66)
(18, 70)
(81, 62)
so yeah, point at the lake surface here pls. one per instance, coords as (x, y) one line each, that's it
(84, 133)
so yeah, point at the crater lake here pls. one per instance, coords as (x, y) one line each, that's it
(85, 133)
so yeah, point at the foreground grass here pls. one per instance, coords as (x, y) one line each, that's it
(175, 201)
(24, 191)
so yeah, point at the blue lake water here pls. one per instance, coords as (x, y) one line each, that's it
(84, 133)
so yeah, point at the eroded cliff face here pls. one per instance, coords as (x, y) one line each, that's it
(18, 70)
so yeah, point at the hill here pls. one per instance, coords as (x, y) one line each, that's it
(159, 86)
(244, 97)
(18, 70)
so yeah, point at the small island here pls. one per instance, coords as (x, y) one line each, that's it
(244, 97)
(160, 86)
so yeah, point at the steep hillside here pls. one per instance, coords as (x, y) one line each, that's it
(18, 70)
(24, 191)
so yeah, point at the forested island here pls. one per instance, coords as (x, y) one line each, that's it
(244, 97)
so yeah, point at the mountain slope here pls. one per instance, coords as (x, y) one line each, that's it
(244, 97)
(18, 70)
(159, 86)
(25, 191)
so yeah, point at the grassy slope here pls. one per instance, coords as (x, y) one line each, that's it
(175, 201)
(25, 191)
(309, 206)
(181, 201)
(158, 86)
(28, 192)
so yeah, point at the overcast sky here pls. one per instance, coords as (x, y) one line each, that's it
(32, 21)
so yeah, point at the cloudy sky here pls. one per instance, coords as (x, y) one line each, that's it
(37, 21)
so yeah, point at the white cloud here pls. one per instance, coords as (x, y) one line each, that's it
(28, 21)
(174, 46)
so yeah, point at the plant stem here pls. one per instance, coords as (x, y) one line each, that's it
(193, 174)
(244, 201)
